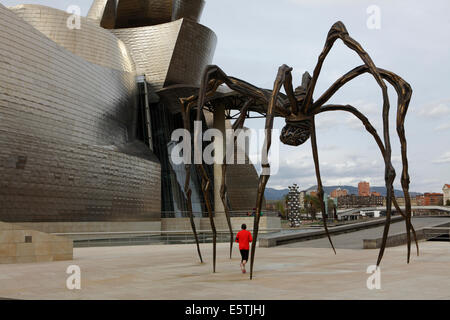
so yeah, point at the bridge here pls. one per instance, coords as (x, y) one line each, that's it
(360, 235)
(346, 214)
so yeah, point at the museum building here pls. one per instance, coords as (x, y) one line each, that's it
(86, 114)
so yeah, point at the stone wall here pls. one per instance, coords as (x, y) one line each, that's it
(236, 222)
(92, 227)
(179, 224)
(203, 224)
(20, 245)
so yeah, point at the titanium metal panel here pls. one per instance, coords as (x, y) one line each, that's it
(140, 13)
(111, 14)
(190, 9)
(170, 53)
(90, 42)
(104, 13)
(65, 126)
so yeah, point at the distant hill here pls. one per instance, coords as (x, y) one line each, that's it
(275, 194)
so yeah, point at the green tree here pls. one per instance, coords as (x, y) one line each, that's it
(313, 203)
(331, 209)
(280, 207)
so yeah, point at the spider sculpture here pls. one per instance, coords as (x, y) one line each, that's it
(299, 111)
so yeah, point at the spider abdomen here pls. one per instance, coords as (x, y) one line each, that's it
(296, 133)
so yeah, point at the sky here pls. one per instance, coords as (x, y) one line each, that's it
(255, 37)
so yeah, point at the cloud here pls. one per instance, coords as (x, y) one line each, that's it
(324, 3)
(445, 158)
(342, 120)
(435, 111)
(343, 168)
(442, 127)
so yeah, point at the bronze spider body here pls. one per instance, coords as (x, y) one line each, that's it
(299, 111)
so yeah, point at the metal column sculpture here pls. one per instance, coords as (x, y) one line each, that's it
(293, 205)
(299, 111)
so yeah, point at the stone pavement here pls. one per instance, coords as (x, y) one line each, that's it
(173, 272)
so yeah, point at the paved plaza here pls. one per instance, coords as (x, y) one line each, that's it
(173, 272)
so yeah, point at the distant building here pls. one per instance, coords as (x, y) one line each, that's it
(446, 191)
(430, 199)
(401, 201)
(312, 193)
(376, 194)
(336, 193)
(354, 201)
(364, 189)
(301, 199)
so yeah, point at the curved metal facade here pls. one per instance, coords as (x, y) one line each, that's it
(65, 129)
(90, 42)
(113, 14)
(103, 12)
(170, 53)
(190, 9)
(139, 13)
(72, 143)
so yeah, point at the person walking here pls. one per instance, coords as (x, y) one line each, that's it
(244, 238)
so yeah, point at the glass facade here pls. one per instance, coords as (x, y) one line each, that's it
(173, 198)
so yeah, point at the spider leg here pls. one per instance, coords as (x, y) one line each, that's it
(319, 180)
(214, 76)
(338, 31)
(187, 189)
(404, 93)
(265, 174)
(239, 124)
(374, 133)
(287, 84)
(187, 104)
(238, 85)
(206, 185)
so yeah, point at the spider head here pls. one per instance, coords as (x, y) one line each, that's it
(296, 133)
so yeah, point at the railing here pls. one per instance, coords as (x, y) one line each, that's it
(107, 239)
(103, 215)
(233, 213)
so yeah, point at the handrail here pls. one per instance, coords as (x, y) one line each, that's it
(153, 232)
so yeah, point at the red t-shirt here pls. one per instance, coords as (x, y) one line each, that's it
(244, 237)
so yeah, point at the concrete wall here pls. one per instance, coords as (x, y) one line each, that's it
(203, 224)
(236, 222)
(104, 226)
(393, 240)
(65, 125)
(20, 245)
(179, 224)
